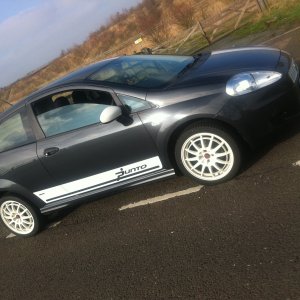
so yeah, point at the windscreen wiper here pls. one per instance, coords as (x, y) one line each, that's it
(190, 65)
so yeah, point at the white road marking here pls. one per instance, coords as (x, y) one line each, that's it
(296, 164)
(163, 197)
(11, 236)
(54, 224)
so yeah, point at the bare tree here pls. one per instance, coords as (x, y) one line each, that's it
(152, 22)
(184, 14)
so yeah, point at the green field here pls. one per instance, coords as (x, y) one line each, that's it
(284, 17)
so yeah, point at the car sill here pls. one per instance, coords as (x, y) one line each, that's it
(161, 174)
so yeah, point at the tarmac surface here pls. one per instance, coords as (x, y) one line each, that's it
(237, 240)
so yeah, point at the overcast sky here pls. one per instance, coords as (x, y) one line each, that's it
(33, 32)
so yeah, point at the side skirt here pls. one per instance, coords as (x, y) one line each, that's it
(73, 200)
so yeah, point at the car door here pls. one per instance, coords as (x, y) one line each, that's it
(20, 170)
(80, 153)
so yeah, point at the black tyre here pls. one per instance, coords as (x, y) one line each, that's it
(19, 217)
(208, 153)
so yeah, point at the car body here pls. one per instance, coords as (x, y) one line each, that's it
(133, 119)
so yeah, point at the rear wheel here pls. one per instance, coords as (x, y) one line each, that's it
(18, 216)
(208, 153)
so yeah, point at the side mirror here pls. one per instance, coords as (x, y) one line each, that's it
(110, 113)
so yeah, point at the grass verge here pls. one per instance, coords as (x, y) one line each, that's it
(280, 17)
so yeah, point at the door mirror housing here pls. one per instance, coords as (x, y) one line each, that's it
(110, 113)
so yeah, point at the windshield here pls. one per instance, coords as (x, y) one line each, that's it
(143, 71)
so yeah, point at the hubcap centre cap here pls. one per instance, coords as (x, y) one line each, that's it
(207, 155)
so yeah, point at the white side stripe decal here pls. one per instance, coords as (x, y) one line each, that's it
(99, 180)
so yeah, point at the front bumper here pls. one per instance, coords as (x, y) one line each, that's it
(257, 114)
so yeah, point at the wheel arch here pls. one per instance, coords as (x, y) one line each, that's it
(9, 188)
(200, 121)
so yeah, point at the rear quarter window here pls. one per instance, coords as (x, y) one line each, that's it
(13, 133)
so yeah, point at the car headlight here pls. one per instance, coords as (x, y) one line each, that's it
(245, 83)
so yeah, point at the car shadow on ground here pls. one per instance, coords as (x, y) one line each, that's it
(57, 216)
(280, 135)
(51, 219)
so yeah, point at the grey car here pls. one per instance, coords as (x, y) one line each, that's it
(133, 119)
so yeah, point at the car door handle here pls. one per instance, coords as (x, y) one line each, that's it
(50, 151)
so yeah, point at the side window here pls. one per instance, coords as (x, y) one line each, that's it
(13, 133)
(70, 110)
(134, 104)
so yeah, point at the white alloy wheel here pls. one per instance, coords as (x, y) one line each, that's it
(17, 217)
(207, 156)
(208, 153)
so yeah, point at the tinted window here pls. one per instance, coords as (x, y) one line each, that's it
(13, 133)
(70, 117)
(143, 71)
(134, 104)
(70, 110)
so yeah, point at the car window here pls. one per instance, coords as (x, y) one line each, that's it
(151, 71)
(13, 133)
(134, 104)
(71, 110)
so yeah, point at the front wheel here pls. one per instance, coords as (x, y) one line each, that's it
(208, 153)
(18, 216)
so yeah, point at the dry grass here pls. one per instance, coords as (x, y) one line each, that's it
(282, 3)
(154, 20)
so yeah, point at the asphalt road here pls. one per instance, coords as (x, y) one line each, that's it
(238, 240)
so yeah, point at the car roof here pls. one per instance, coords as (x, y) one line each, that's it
(12, 109)
(78, 76)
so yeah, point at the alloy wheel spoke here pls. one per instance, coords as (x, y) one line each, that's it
(210, 171)
(195, 145)
(222, 154)
(220, 161)
(203, 169)
(195, 158)
(217, 167)
(202, 142)
(23, 212)
(218, 147)
(23, 226)
(26, 222)
(10, 209)
(210, 142)
(7, 210)
(196, 165)
(191, 152)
